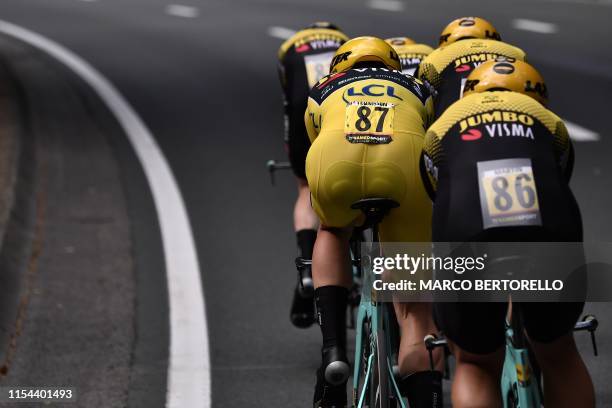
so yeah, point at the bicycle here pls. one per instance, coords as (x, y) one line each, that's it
(374, 383)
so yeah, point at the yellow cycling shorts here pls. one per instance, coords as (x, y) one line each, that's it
(340, 173)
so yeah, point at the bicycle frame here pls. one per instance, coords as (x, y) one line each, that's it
(519, 384)
(375, 316)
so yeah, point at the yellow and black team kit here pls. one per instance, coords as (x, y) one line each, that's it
(410, 55)
(302, 61)
(497, 165)
(367, 127)
(447, 68)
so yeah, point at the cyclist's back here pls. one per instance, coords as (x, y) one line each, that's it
(447, 68)
(484, 146)
(367, 126)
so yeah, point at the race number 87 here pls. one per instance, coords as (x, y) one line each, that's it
(369, 119)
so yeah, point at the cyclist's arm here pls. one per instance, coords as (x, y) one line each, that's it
(312, 119)
(428, 73)
(564, 150)
(429, 163)
(429, 112)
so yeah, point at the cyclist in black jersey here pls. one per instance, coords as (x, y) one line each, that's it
(497, 165)
(302, 60)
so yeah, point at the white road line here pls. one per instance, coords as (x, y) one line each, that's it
(541, 27)
(580, 134)
(583, 2)
(282, 33)
(189, 361)
(388, 5)
(179, 10)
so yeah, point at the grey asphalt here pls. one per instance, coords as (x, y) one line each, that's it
(207, 88)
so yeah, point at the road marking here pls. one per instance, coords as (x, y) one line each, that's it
(606, 3)
(580, 134)
(388, 5)
(179, 10)
(541, 27)
(282, 33)
(189, 360)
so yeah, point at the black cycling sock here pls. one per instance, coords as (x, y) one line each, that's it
(331, 302)
(305, 241)
(423, 389)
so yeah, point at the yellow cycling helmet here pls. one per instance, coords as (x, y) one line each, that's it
(399, 41)
(363, 49)
(468, 27)
(507, 75)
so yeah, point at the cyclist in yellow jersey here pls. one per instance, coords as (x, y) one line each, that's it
(464, 48)
(366, 122)
(501, 127)
(410, 53)
(302, 61)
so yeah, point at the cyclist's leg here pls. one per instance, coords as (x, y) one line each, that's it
(415, 323)
(331, 258)
(567, 382)
(411, 222)
(476, 334)
(304, 217)
(305, 220)
(477, 378)
(334, 172)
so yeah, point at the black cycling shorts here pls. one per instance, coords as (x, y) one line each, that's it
(296, 138)
(479, 328)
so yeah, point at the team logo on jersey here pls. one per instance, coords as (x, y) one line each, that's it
(373, 90)
(496, 124)
(302, 48)
(463, 68)
(326, 81)
(471, 134)
(468, 62)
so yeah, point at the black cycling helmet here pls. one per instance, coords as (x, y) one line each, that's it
(324, 24)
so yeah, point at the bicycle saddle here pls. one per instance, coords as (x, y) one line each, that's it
(374, 209)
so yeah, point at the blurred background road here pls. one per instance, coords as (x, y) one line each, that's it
(202, 76)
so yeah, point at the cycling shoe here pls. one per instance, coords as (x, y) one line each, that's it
(327, 395)
(335, 366)
(306, 285)
(302, 310)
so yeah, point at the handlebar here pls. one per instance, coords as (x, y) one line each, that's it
(273, 165)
